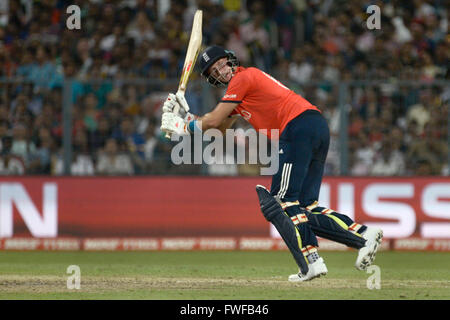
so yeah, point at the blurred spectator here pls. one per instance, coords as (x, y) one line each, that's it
(21, 146)
(43, 72)
(113, 162)
(83, 163)
(43, 155)
(150, 141)
(388, 161)
(419, 112)
(132, 104)
(256, 38)
(98, 137)
(141, 28)
(158, 55)
(11, 165)
(363, 156)
(108, 42)
(91, 114)
(19, 112)
(428, 151)
(4, 132)
(301, 67)
(235, 42)
(70, 71)
(145, 116)
(128, 137)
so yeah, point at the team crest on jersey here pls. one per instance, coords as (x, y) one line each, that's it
(245, 114)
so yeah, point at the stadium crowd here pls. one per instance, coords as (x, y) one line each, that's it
(394, 128)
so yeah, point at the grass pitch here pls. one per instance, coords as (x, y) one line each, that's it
(213, 275)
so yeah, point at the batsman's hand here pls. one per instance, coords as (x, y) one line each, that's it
(182, 101)
(170, 103)
(172, 123)
(174, 100)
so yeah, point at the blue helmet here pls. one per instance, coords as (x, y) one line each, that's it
(210, 56)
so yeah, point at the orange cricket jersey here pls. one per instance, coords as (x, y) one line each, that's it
(263, 100)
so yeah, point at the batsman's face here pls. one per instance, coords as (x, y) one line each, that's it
(221, 71)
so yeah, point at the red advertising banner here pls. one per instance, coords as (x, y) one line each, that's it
(196, 243)
(156, 207)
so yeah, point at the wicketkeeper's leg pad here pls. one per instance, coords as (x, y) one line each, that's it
(274, 213)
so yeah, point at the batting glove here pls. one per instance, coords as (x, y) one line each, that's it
(170, 103)
(187, 116)
(182, 101)
(178, 100)
(172, 123)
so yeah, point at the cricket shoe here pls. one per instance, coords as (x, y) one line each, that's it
(316, 269)
(366, 255)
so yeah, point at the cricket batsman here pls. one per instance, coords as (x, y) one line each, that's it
(291, 205)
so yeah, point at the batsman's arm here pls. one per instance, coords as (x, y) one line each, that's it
(218, 118)
(227, 123)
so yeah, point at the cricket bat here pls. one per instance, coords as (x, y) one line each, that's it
(193, 49)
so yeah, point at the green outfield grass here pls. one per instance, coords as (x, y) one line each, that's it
(218, 275)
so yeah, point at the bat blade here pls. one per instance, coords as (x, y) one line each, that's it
(193, 49)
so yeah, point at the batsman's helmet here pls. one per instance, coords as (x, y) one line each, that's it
(210, 56)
